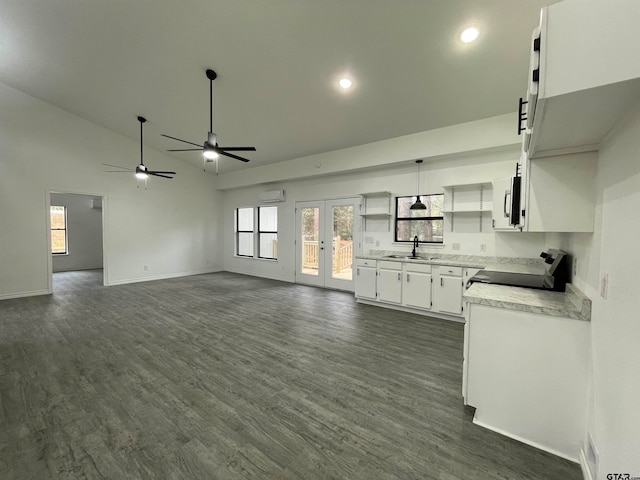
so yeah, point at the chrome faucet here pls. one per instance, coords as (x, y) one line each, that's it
(415, 246)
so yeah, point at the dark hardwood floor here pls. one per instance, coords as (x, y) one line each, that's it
(225, 376)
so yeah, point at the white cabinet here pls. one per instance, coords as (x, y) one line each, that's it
(412, 286)
(586, 81)
(390, 281)
(467, 207)
(502, 204)
(522, 384)
(559, 193)
(449, 290)
(366, 276)
(416, 290)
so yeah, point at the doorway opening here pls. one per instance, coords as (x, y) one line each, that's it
(76, 253)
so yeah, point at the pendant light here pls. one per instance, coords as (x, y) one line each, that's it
(418, 205)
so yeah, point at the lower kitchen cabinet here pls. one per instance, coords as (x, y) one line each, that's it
(390, 281)
(416, 288)
(366, 276)
(412, 286)
(449, 288)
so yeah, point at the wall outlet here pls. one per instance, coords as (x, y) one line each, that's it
(483, 247)
(146, 268)
(575, 267)
(377, 243)
(604, 285)
(455, 246)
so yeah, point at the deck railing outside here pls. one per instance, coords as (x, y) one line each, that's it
(342, 254)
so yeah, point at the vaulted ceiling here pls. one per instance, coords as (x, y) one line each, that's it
(278, 63)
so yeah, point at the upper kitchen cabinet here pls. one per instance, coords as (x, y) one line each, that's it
(582, 77)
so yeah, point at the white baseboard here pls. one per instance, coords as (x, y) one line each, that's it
(33, 293)
(526, 441)
(150, 278)
(254, 274)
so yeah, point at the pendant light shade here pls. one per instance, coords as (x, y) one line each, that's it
(418, 205)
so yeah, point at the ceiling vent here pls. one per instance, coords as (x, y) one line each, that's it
(272, 196)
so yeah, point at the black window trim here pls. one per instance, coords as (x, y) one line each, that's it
(238, 231)
(66, 232)
(265, 231)
(395, 230)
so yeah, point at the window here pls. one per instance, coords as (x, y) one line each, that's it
(268, 232)
(244, 232)
(261, 224)
(58, 229)
(427, 225)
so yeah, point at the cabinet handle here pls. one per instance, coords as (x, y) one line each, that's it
(399, 278)
(357, 271)
(407, 278)
(504, 206)
(522, 115)
(441, 282)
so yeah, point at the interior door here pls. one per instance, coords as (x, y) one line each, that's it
(326, 242)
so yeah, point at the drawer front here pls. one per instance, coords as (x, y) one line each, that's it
(454, 271)
(387, 265)
(365, 262)
(417, 267)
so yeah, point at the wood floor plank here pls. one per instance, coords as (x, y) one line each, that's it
(225, 376)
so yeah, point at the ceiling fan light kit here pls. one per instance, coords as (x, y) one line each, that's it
(141, 171)
(210, 149)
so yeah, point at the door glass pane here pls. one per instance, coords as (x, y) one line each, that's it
(342, 250)
(309, 241)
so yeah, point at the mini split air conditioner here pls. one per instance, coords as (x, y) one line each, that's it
(272, 196)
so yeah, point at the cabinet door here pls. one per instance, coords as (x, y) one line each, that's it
(366, 282)
(416, 291)
(450, 295)
(390, 286)
(501, 204)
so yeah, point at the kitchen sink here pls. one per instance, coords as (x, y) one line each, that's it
(409, 257)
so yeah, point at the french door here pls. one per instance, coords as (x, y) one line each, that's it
(327, 233)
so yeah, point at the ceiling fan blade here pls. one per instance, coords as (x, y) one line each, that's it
(159, 171)
(158, 175)
(180, 140)
(116, 166)
(238, 149)
(186, 150)
(119, 171)
(232, 156)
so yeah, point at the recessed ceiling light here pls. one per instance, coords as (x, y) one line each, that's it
(469, 34)
(345, 83)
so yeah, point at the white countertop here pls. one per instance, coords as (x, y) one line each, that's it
(570, 304)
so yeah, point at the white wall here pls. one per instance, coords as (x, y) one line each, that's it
(400, 179)
(171, 226)
(614, 414)
(84, 233)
